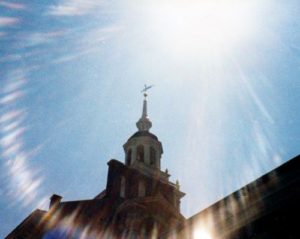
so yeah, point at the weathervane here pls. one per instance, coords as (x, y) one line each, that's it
(146, 88)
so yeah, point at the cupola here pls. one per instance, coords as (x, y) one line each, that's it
(143, 148)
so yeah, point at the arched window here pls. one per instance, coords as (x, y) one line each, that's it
(128, 157)
(122, 187)
(140, 153)
(142, 189)
(152, 156)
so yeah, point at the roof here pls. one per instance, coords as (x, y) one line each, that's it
(31, 224)
(275, 193)
(143, 134)
(100, 208)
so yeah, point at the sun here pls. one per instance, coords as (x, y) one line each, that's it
(187, 27)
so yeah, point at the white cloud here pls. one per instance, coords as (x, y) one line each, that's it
(74, 7)
(13, 85)
(38, 38)
(8, 21)
(23, 182)
(11, 126)
(11, 97)
(12, 137)
(11, 115)
(13, 6)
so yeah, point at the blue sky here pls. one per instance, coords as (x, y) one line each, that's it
(225, 103)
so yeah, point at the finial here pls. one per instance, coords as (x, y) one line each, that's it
(177, 184)
(144, 124)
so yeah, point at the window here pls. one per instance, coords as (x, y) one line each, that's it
(128, 158)
(140, 153)
(122, 187)
(152, 156)
(142, 189)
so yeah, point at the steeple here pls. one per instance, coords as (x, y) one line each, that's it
(144, 124)
(143, 152)
(143, 149)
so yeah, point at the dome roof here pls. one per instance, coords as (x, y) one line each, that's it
(144, 133)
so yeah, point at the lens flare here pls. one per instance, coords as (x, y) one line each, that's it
(201, 233)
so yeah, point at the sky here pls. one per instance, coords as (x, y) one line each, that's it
(225, 101)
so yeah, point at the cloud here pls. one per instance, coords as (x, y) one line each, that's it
(89, 42)
(12, 150)
(23, 182)
(11, 137)
(13, 85)
(10, 57)
(74, 7)
(11, 115)
(69, 57)
(9, 98)
(8, 21)
(39, 38)
(11, 126)
(13, 6)
(36, 39)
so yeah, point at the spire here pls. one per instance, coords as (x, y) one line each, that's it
(144, 124)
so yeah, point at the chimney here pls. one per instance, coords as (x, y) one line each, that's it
(54, 200)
